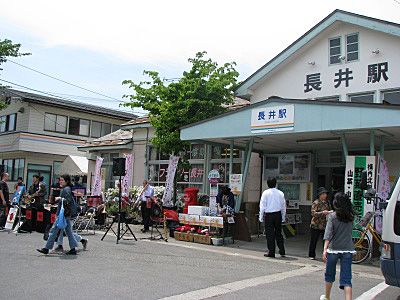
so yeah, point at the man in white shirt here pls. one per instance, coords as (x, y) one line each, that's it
(273, 213)
(145, 198)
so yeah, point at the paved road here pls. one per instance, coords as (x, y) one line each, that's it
(154, 270)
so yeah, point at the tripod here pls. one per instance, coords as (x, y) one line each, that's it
(121, 231)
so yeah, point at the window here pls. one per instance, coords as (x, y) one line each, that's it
(220, 152)
(78, 127)
(352, 47)
(105, 129)
(8, 123)
(14, 167)
(96, 129)
(115, 127)
(362, 98)
(329, 98)
(392, 97)
(335, 50)
(55, 123)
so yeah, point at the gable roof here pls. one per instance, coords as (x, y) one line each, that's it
(337, 15)
(73, 105)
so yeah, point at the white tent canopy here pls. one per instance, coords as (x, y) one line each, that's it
(75, 165)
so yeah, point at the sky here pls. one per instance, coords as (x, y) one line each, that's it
(98, 44)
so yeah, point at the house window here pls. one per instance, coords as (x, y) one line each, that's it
(105, 129)
(8, 123)
(352, 47)
(115, 127)
(362, 98)
(96, 129)
(392, 97)
(55, 123)
(14, 167)
(335, 50)
(78, 127)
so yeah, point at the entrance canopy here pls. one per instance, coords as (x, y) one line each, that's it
(75, 165)
(281, 125)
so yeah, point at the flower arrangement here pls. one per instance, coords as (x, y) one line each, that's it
(135, 191)
(111, 193)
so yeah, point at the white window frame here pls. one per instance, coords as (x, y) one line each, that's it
(373, 93)
(383, 92)
(55, 123)
(329, 50)
(358, 47)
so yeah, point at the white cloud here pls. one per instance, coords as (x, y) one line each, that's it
(168, 32)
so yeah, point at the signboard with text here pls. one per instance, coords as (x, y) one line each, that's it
(272, 119)
(288, 167)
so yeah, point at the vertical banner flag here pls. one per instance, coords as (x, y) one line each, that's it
(12, 214)
(169, 184)
(383, 189)
(96, 184)
(17, 195)
(355, 165)
(127, 180)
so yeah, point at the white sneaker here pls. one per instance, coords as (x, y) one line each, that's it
(323, 297)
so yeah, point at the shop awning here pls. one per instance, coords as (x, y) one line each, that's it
(75, 165)
(314, 125)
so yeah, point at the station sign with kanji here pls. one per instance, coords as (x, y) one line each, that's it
(272, 119)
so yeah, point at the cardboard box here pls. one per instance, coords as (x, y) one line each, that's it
(202, 239)
(217, 222)
(198, 210)
(183, 218)
(204, 221)
(183, 236)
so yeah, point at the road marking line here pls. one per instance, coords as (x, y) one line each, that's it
(372, 293)
(235, 286)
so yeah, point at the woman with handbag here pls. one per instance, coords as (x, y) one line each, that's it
(67, 208)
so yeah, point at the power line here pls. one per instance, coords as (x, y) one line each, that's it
(63, 81)
(42, 92)
(397, 1)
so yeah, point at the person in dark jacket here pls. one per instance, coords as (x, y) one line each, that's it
(70, 211)
(226, 198)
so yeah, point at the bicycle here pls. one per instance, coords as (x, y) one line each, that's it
(361, 239)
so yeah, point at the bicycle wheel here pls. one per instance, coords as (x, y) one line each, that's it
(362, 246)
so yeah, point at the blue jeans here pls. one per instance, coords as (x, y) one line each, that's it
(345, 268)
(77, 237)
(53, 235)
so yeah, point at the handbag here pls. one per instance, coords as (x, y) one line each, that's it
(61, 220)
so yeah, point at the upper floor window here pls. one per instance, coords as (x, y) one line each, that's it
(352, 47)
(335, 50)
(100, 129)
(392, 97)
(78, 126)
(8, 122)
(55, 123)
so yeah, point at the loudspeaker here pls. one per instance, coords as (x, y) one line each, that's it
(118, 168)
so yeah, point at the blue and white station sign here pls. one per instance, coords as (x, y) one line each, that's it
(272, 119)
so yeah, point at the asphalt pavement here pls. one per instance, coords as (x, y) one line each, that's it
(156, 269)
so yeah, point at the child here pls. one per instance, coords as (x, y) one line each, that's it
(339, 246)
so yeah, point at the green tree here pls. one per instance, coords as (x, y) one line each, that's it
(201, 93)
(8, 49)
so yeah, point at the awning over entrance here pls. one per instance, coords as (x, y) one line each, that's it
(284, 125)
(75, 165)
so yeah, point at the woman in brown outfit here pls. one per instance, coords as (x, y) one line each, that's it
(319, 210)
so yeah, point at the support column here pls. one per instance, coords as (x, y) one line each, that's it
(231, 157)
(245, 169)
(372, 143)
(382, 147)
(344, 145)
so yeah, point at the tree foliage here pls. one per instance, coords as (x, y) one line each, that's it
(201, 93)
(8, 49)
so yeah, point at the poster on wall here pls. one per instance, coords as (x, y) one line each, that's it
(235, 183)
(355, 165)
(288, 167)
(292, 194)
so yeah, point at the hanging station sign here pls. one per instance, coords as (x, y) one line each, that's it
(272, 119)
(288, 167)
